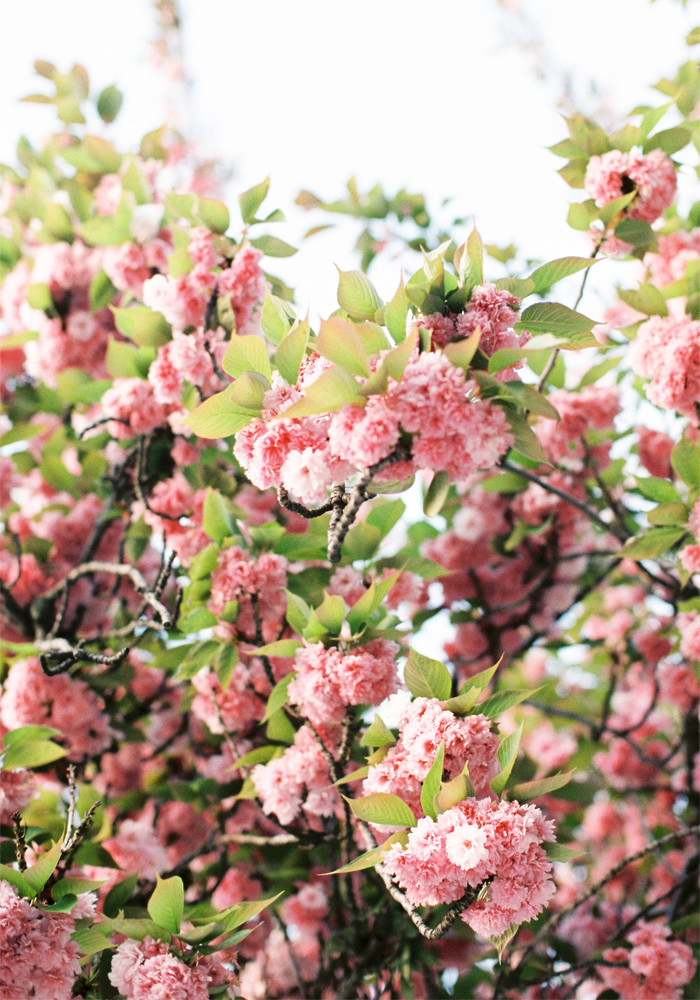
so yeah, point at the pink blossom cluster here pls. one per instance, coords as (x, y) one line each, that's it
(593, 407)
(493, 312)
(37, 956)
(148, 970)
(656, 966)
(234, 710)
(327, 681)
(79, 339)
(296, 781)
(667, 351)
(16, 789)
(30, 697)
(652, 176)
(175, 510)
(523, 588)
(451, 429)
(187, 358)
(258, 587)
(668, 263)
(133, 407)
(424, 725)
(477, 842)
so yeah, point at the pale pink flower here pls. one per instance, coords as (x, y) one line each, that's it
(652, 176)
(37, 956)
(667, 351)
(66, 703)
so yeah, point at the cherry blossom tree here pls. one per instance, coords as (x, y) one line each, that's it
(227, 767)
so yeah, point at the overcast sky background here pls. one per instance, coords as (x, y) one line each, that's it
(447, 99)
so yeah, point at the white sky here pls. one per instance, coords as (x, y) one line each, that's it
(437, 98)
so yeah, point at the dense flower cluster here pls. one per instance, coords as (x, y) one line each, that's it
(651, 176)
(37, 956)
(474, 843)
(212, 705)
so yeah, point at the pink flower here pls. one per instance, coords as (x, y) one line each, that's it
(474, 841)
(689, 626)
(244, 281)
(66, 703)
(654, 449)
(667, 351)
(652, 176)
(134, 407)
(16, 789)
(37, 956)
(328, 681)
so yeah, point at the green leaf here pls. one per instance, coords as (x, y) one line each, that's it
(36, 753)
(362, 609)
(637, 232)
(271, 246)
(219, 416)
(526, 441)
(499, 702)
(549, 274)
(240, 913)
(109, 103)
(685, 461)
(558, 852)
(357, 295)
(276, 319)
(558, 319)
(247, 354)
(213, 214)
(540, 786)
(216, 517)
(432, 783)
(249, 391)
(646, 299)
(427, 678)
(675, 513)
(652, 543)
(452, 792)
(383, 809)
(282, 647)
(289, 354)
(396, 313)
(436, 494)
(462, 704)
(120, 894)
(102, 291)
(251, 200)
(298, 612)
(16, 879)
(76, 886)
(279, 696)
(331, 613)
(370, 859)
(142, 325)
(167, 903)
(669, 140)
(507, 752)
(501, 941)
(39, 297)
(259, 755)
(339, 341)
(330, 391)
(138, 928)
(504, 482)
(41, 871)
(461, 352)
(659, 490)
(378, 734)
